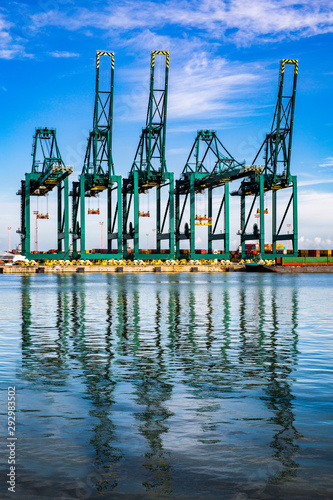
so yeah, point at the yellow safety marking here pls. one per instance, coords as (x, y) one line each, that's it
(100, 53)
(160, 52)
(289, 61)
(103, 53)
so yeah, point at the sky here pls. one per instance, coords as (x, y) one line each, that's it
(224, 63)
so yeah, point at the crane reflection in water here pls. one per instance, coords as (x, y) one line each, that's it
(155, 370)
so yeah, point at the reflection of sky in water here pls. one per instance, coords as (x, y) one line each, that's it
(169, 386)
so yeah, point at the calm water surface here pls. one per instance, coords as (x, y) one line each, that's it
(158, 386)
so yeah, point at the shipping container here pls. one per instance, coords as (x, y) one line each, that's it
(316, 260)
(314, 253)
(292, 261)
(303, 253)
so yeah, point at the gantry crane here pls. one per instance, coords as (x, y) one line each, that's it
(98, 172)
(48, 171)
(198, 177)
(149, 169)
(275, 174)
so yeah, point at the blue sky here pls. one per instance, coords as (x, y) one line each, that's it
(224, 61)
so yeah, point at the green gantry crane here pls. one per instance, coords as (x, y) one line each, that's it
(48, 172)
(98, 172)
(149, 171)
(200, 177)
(275, 174)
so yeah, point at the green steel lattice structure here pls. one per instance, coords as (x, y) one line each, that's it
(176, 216)
(200, 177)
(48, 172)
(149, 171)
(275, 174)
(98, 173)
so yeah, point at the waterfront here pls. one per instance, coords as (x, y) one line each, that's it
(169, 385)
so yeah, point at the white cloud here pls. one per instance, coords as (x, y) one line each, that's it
(178, 151)
(4, 30)
(235, 20)
(314, 182)
(9, 49)
(209, 86)
(328, 162)
(202, 86)
(316, 243)
(59, 54)
(315, 210)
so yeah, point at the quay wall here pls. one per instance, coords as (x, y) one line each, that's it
(124, 269)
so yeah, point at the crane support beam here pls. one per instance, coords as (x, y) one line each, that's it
(292, 235)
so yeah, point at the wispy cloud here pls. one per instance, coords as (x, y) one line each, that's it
(209, 86)
(328, 162)
(9, 49)
(315, 182)
(202, 85)
(237, 21)
(178, 151)
(227, 21)
(59, 54)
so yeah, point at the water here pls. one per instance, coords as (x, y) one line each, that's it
(157, 386)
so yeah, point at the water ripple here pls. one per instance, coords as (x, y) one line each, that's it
(149, 386)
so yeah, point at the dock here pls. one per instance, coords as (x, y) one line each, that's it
(121, 269)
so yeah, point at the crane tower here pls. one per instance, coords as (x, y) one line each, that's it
(98, 172)
(149, 168)
(48, 172)
(275, 174)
